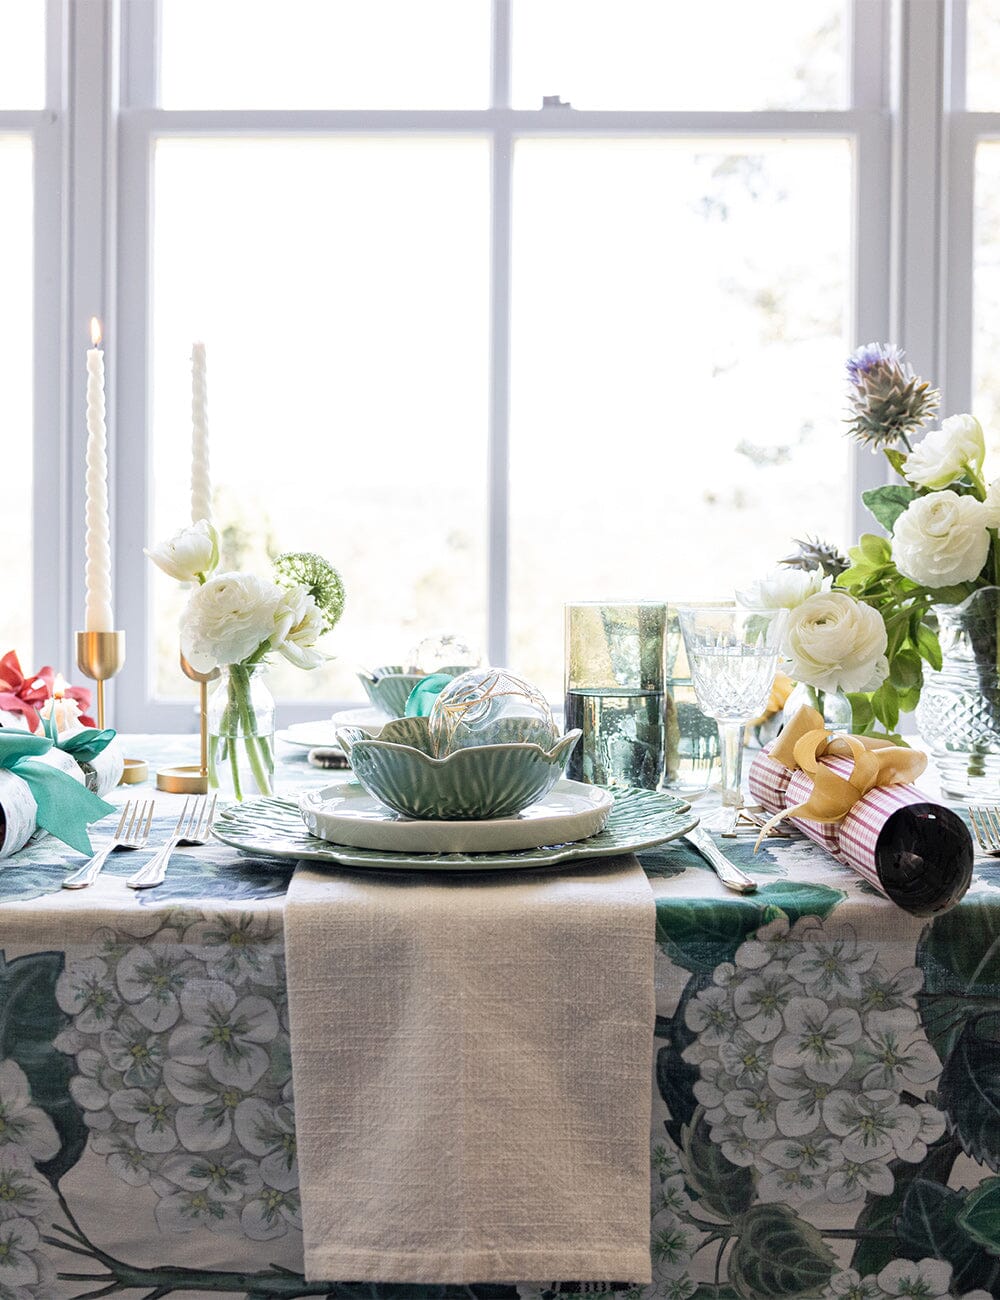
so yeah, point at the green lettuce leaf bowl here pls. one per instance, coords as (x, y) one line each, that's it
(388, 688)
(476, 783)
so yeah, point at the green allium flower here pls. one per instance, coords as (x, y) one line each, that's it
(306, 569)
(888, 402)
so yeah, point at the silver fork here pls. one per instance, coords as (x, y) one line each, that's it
(194, 826)
(132, 832)
(986, 823)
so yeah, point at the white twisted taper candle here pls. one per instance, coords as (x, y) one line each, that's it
(201, 486)
(98, 616)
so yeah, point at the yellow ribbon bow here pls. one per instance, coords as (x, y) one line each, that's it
(877, 762)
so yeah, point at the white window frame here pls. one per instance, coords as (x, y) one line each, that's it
(102, 123)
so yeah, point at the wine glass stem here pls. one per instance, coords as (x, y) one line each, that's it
(731, 756)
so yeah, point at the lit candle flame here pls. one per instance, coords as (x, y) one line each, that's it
(59, 686)
(95, 331)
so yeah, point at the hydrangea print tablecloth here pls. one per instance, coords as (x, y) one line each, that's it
(826, 1113)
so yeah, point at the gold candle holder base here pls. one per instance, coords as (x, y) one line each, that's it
(186, 779)
(136, 771)
(191, 778)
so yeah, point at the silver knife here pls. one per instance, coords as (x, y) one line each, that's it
(730, 875)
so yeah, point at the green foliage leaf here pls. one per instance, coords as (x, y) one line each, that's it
(895, 459)
(959, 954)
(885, 702)
(676, 1077)
(778, 1254)
(862, 713)
(30, 1018)
(722, 1187)
(928, 646)
(876, 550)
(928, 1225)
(700, 934)
(906, 671)
(980, 1216)
(969, 1089)
(888, 503)
(877, 1222)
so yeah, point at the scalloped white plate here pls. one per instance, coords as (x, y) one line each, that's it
(273, 828)
(344, 813)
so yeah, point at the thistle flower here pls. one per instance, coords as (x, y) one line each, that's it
(319, 577)
(888, 402)
(813, 554)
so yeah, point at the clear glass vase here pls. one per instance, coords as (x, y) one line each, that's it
(241, 734)
(835, 707)
(958, 716)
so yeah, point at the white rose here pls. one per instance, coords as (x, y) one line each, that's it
(837, 643)
(190, 554)
(782, 589)
(992, 504)
(300, 625)
(941, 539)
(946, 452)
(227, 619)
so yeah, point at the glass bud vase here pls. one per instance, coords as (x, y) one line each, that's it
(241, 734)
(958, 715)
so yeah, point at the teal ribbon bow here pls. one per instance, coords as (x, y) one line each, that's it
(85, 745)
(65, 807)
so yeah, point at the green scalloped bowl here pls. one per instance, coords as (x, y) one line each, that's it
(389, 688)
(480, 782)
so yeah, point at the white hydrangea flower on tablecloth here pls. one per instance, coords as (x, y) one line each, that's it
(271, 1213)
(24, 1193)
(150, 979)
(268, 1132)
(151, 1114)
(86, 991)
(23, 1124)
(236, 949)
(224, 1032)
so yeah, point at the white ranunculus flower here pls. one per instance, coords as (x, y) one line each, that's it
(189, 554)
(992, 504)
(782, 589)
(942, 539)
(299, 626)
(836, 643)
(945, 453)
(227, 619)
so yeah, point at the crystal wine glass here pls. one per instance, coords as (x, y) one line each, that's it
(733, 653)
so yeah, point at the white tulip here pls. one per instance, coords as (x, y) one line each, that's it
(229, 619)
(782, 589)
(945, 453)
(942, 539)
(189, 555)
(836, 643)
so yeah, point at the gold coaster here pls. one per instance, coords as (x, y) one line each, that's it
(186, 779)
(136, 770)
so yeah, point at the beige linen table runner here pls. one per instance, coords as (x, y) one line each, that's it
(472, 1064)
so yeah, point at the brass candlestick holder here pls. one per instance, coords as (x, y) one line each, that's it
(191, 778)
(99, 656)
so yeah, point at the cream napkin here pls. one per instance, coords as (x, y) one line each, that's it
(472, 1062)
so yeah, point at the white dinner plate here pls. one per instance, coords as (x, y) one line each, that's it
(322, 734)
(344, 813)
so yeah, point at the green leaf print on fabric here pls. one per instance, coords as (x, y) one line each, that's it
(969, 1090)
(723, 1188)
(30, 1018)
(701, 934)
(980, 1216)
(877, 1222)
(675, 1077)
(929, 1225)
(959, 954)
(778, 1254)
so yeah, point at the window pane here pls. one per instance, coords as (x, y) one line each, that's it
(678, 350)
(983, 56)
(15, 347)
(341, 288)
(986, 294)
(325, 54)
(22, 54)
(671, 54)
